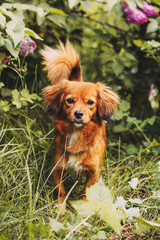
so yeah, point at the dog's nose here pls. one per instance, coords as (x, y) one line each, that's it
(78, 114)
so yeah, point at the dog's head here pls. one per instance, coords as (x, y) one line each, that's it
(80, 102)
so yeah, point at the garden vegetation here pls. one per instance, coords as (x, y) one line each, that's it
(119, 45)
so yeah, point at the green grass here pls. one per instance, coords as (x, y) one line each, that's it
(27, 201)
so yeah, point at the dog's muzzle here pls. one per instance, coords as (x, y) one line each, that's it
(78, 116)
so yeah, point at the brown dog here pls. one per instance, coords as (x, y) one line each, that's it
(80, 109)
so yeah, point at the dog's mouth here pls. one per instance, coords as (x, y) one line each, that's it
(78, 124)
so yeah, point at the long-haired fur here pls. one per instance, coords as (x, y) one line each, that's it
(62, 63)
(80, 110)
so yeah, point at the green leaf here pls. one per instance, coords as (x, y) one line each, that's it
(1, 85)
(35, 96)
(118, 115)
(18, 35)
(87, 5)
(86, 208)
(20, 6)
(120, 128)
(110, 216)
(111, 4)
(73, 3)
(32, 33)
(55, 225)
(132, 4)
(99, 193)
(155, 143)
(152, 43)
(122, 24)
(124, 106)
(15, 94)
(155, 224)
(14, 51)
(127, 58)
(58, 11)
(139, 42)
(21, 98)
(99, 202)
(131, 120)
(58, 20)
(2, 21)
(100, 235)
(16, 98)
(25, 96)
(128, 83)
(151, 120)
(18, 103)
(152, 26)
(140, 3)
(6, 92)
(143, 123)
(141, 228)
(132, 149)
(5, 12)
(117, 68)
(40, 12)
(4, 105)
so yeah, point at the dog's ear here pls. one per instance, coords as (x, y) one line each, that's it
(53, 97)
(107, 101)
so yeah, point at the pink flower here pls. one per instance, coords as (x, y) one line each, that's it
(27, 47)
(149, 10)
(32, 47)
(137, 17)
(5, 60)
(24, 45)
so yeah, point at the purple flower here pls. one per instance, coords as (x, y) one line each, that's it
(149, 10)
(24, 45)
(32, 47)
(137, 17)
(27, 47)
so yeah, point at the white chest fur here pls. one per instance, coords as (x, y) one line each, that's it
(74, 162)
(72, 138)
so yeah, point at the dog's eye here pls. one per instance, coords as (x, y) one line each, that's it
(70, 100)
(90, 102)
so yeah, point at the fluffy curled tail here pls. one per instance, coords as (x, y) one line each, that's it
(62, 63)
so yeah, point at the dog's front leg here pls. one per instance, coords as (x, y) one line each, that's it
(92, 178)
(57, 175)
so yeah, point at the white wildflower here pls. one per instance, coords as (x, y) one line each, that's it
(133, 183)
(121, 203)
(153, 93)
(156, 194)
(145, 210)
(132, 212)
(135, 200)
